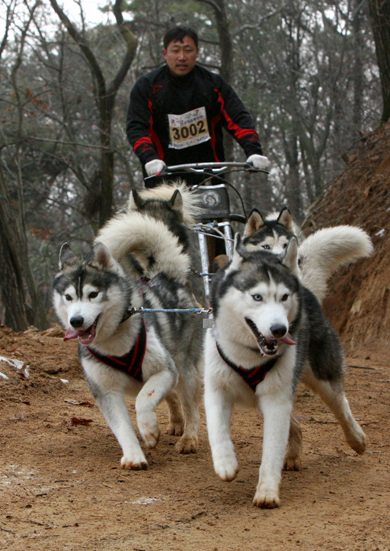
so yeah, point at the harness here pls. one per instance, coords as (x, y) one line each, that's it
(252, 376)
(130, 363)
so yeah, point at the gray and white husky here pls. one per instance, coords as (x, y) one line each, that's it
(269, 332)
(143, 355)
(319, 255)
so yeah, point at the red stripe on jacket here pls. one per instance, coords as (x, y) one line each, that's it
(234, 127)
(153, 138)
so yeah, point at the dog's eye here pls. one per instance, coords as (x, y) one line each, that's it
(285, 246)
(68, 298)
(257, 298)
(285, 297)
(266, 247)
(93, 294)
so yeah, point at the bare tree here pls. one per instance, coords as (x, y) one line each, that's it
(104, 94)
(16, 278)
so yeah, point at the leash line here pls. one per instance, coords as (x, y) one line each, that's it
(141, 310)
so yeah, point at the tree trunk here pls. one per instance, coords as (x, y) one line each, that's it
(11, 286)
(380, 22)
(293, 191)
(11, 273)
(357, 69)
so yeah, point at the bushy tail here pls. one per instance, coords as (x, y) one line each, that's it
(154, 247)
(323, 252)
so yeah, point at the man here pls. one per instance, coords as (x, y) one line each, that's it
(177, 112)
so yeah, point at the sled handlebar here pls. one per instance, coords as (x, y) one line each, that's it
(200, 171)
(214, 168)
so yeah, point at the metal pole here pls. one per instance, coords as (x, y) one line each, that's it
(204, 258)
(229, 242)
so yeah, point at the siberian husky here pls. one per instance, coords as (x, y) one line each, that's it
(319, 255)
(144, 355)
(269, 332)
(173, 204)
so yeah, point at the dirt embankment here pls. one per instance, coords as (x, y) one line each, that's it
(358, 304)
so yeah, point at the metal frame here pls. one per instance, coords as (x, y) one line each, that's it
(217, 228)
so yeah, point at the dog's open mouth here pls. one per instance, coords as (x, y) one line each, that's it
(267, 347)
(85, 336)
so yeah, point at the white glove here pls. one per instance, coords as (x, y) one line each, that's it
(153, 168)
(259, 161)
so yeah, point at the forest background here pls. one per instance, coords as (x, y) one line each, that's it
(309, 72)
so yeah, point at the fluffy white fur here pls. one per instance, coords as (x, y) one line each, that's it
(135, 233)
(326, 250)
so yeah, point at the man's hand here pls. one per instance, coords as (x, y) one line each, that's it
(259, 161)
(155, 167)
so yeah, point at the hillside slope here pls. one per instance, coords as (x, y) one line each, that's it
(358, 304)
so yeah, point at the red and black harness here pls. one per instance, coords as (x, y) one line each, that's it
(252, 376)
(130, 363)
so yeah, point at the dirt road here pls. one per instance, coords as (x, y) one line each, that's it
(62, 487)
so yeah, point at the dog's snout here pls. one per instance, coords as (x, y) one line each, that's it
(278, 330)
(76, 321)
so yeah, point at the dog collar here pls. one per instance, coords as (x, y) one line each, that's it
(252, 376)
(130, 363)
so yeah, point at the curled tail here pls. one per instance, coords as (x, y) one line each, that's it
(154, 247)
(323, 252)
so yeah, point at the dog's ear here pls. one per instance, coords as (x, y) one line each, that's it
(66, 257)
(237, 252)
(254, 223)
(176, 203)
(102, 258)
(135, 200)
(290, 259)
(285, 219)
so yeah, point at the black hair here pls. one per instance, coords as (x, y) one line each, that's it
(178, 33)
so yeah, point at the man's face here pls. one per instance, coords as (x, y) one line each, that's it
(181, 56)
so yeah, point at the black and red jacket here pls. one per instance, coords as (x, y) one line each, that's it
(159, 93)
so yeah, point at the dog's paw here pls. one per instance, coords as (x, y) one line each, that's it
(226, 469)
(266, 498)
(136, 462)
(151, 438)
(175, 428)
(292, 463)
(148, 427)
(357, 440)
(187, 444)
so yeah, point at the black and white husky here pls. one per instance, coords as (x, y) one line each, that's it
(152, 356)
(319, 255)
(269, 332)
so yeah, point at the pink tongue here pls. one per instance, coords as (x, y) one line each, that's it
(288, 339)
(71, 334)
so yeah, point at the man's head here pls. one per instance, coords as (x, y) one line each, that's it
(181, 50)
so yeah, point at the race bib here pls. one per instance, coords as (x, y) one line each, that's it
(188, 129)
